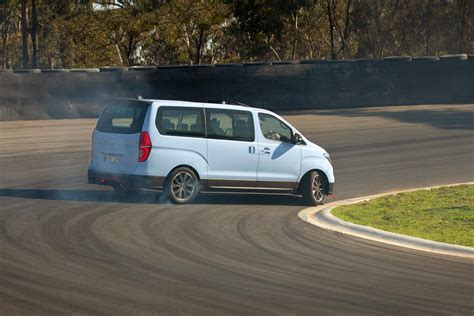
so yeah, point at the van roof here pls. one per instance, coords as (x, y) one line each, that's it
(209, 104)
(190, 103)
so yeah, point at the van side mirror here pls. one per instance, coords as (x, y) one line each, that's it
(297, 139)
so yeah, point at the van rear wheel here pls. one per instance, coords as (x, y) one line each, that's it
(183, 186)
(314, 188)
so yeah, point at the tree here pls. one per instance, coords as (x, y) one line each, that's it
(187, 31)
(464, 21)
(91, 33)
(34, 34)
(8, 30)
(259, 30)
(339, 21)
(25, 33)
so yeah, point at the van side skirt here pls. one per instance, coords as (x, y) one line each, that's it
(137, 181)
(246, 185)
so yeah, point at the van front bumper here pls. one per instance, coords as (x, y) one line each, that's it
(130, 180)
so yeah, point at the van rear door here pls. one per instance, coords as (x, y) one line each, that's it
(116, 137)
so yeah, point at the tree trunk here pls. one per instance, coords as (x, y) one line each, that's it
(119, 54)
(65, 58)
(130, 51)
(34, 34)
(462, 9)
(5, 52)
(347, 27)
(5, 38)
(428, 50)
(295, 34)
(199, 44)
(329, 8)
(24, 33)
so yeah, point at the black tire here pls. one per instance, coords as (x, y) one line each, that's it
(314, 188)
(125, 191)
(182, 186)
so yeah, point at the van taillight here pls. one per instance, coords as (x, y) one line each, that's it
(144, 147)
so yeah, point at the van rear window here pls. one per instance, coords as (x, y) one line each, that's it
(122, 117)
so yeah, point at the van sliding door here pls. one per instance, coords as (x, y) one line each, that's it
(232, 150)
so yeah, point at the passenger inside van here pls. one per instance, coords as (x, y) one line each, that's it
(215, 127)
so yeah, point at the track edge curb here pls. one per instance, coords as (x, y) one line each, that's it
(321, 216)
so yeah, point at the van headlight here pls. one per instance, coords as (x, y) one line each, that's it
(328, 157)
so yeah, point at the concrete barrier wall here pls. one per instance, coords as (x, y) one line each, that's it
(275, 86)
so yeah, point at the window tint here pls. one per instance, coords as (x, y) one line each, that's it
(273, 128)
(122, 117)
(180, 121)
(230, 124)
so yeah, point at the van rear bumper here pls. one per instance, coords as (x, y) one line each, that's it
(130, 180)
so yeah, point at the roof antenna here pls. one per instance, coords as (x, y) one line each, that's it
(139, 97)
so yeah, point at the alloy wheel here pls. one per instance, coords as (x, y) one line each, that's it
(183, 186)
(317, 187)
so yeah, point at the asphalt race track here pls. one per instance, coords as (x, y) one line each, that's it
(67, 246)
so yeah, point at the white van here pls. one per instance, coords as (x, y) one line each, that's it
(183, 148)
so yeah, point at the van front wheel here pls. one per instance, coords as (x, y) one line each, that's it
(183, 185)
(314, 188)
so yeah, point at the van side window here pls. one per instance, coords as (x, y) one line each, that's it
(180, 121)
(230, 124)
(274, 129)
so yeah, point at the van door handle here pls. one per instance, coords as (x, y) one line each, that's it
(251, 149)
(265, 151)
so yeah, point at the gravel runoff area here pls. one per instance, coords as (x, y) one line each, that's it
(443, 214)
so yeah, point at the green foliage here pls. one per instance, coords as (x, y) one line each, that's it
(407, 27)
(445, 214)
(87, 33)
(188, 32)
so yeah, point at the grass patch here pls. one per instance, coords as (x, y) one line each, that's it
(445, 214)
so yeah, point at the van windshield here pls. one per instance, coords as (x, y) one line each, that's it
(122, 117)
